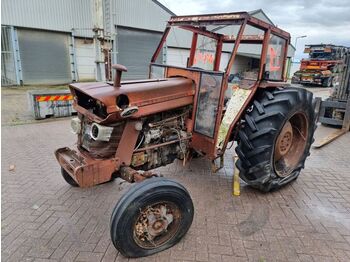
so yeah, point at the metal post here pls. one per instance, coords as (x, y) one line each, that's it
(296, 42)
(115, 49)
(236, 186)
(218, 55)
(193, 49)
(346, 120)
(98, 25)
(97, 56)
(346, 92)
(107, 15)
(16, 55)
(73, 58)
(114, 35)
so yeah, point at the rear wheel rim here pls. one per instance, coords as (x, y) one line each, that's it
(157, 224)
(290, 144)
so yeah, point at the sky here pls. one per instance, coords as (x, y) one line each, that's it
(321, 21)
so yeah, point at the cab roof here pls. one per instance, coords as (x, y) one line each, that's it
(235, 18)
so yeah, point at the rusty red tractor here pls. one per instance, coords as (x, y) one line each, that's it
(127, 128)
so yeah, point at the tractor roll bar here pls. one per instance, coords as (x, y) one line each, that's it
(226, 19)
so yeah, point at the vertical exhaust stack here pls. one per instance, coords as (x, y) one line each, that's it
(118, 75)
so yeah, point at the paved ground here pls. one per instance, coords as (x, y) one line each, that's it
(44, 219)
(14, 104)
(319, 91)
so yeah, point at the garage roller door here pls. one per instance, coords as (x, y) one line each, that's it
(85, 57)
(135, 49)
(45, 57)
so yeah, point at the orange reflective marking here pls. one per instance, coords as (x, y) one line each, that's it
(274, 60)
(204, 58)
(54, 98)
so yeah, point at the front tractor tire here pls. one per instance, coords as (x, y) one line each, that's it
(276, 137)
(152, 216)
(68, 178)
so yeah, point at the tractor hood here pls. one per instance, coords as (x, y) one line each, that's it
(148, 96)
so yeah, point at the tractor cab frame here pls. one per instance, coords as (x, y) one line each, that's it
(209, 135)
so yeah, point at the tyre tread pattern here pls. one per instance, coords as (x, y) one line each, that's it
(122, 214)
(262, 125)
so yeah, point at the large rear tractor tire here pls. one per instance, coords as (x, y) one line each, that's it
(276, 137)
(152, 216)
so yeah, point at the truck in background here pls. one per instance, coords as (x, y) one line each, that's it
(322, 66)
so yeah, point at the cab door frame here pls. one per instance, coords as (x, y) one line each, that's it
(202, 142)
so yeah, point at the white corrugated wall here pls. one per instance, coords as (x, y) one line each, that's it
(62, 15)
(143, 14)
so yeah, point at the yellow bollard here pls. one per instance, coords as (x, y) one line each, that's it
(236, 186)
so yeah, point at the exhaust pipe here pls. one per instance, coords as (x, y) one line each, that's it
(118, 75)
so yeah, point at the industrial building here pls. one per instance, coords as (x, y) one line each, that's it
(58, 42)
(54, 42)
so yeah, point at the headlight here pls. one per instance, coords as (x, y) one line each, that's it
(101, 133)
(75, 125)
(94, 131)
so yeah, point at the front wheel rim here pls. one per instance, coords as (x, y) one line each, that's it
(156, 224)
(290, 144)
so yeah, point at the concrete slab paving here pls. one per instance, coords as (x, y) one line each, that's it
(44, 219)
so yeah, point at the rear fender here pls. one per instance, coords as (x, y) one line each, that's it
(235, 108)
(240, 102)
